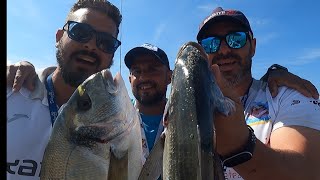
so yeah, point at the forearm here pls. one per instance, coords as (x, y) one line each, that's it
(268, 163)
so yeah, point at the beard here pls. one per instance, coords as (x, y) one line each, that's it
(71, 77)
(148, 99)
(236, 78)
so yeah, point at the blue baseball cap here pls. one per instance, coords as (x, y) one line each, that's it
(219, 14)
(146, 48)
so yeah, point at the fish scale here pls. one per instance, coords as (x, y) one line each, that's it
(96, 135)
(181, 143)
(189, 151)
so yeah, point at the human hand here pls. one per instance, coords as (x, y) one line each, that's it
(279, 77)
(231, 131)
(21, 74)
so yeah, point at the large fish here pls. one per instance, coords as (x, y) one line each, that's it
(189, 148)
(96, 134)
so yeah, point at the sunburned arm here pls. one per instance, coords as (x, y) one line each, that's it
(21, 74)
(282, 77)
(298, 159)
(292, 152)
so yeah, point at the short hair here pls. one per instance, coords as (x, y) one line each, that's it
(103, 6)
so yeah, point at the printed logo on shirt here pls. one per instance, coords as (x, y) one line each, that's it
(259, 113)
(17, 116)
(25, 167)
(294, 102)
(316, 102)
(231, 174)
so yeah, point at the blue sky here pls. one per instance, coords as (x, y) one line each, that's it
(287, 31)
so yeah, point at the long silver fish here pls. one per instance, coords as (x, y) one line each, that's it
(189, 148)
(96, 134)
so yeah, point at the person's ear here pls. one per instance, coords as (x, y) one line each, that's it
(253, 47)
(59, 35)
(130, 78)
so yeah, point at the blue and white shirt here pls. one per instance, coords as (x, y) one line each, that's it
(266, 114)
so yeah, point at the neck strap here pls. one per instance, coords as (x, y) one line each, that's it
(53, 107)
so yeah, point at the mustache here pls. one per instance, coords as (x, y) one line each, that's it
(87, 53)
(221, 56)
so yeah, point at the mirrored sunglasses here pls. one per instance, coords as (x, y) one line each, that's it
(234, 40)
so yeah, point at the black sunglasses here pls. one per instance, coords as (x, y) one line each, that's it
(82, 32)
(235, 40)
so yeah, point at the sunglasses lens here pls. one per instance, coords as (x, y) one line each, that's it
(107, 43)
(236, 40)
(210, 44)
(79, 32)
(82, 33)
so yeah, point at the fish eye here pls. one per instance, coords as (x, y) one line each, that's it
(84, 102)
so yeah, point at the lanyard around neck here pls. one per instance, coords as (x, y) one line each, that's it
(53, 107)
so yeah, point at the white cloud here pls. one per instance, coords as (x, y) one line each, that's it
(207, 7)
(265, 38)
(160, 29)
(25, 9)
(309, 56)
(254, 21)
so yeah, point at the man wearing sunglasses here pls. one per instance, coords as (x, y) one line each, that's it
(83, 35)
(266, 138)
(85, 44)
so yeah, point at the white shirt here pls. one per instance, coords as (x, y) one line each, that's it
(266, 114)
(28, 130)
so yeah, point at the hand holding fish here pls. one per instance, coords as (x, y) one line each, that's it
(231, 131)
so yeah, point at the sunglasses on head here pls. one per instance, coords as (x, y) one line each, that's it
(234, 40)
(82, 32)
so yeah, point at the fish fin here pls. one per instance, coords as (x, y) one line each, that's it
(118, 168)
(152, 168)
(223, 104)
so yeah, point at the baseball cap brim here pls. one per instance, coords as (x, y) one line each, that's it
(217, 19)
(133, 53)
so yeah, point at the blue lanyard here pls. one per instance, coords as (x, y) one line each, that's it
(53, 107)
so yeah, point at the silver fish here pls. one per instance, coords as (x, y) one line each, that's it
(96, 134)
(189, 148)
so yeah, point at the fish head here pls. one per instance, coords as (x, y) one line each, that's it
(99, 110)
(196, 63)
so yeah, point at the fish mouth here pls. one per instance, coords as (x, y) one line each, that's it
(194, 46)
(111, 84)
(87, 136)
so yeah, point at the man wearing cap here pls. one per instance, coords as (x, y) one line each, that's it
(149, 77)
(275, 138)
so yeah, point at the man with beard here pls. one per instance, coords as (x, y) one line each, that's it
(149, 77)
(86, 44)
(284, 143)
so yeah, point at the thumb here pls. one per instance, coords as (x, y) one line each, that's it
(223, 84)
(218, 76)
